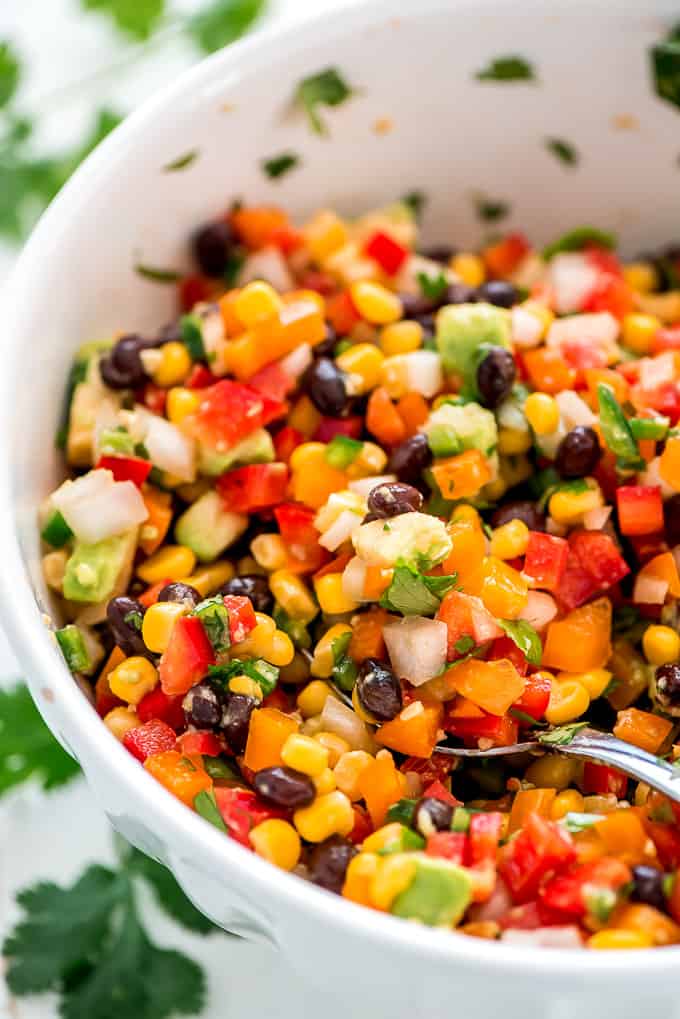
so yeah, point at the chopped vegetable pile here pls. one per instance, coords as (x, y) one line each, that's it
(361, 499)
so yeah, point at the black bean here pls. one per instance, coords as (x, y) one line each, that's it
(253, 586)
(439, 253)
(578, 452)
(648, 886)
(327, 345)
(460, 293)
(326, 386)
(393, 498)
(431, 815)
(212, 246)
(125, 619)
(203, 706)
(410, 459)
(495, 376)
(284, 787)
(123, 368)
(668, 685)
(498, 292)
(179, 592)
(519, 509)
(236, 720)
(671, 516)
(328, 862)
(378, 690)
(415, 305)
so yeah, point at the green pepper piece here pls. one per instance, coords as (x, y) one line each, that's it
(649, 428)
(616, 430)
(56, 531)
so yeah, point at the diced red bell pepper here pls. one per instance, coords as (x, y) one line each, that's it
(200, 377)
(600, 780)
(666, 339)
(230, 411)
(435, 768)
(254, 487)
(126, 468)
(599, 557)
(153, 397)
(545, 560)
(241, 616)
(504, 257)
(504, 647)
(611, 294)
(501, 729)
(448, 845)
(576, 585)
(384, 250)
(200, 742)
(321, 282)
(286, 441)
(286, 238)
(272, 381)
(437, 791)
(330, 427)
(529, 916)
(296, 524)
(362, 825)
(280, 700)
(156, 704)
(640, 509)
(153, 737)
(194, 289)
(485, 834)
(664, 398)
(569, 892)
(666, 839)
(540, 849)
(535, 696)
(186, 659)
(150, 596)
(242, 810)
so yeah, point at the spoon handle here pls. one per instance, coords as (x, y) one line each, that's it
(602, 746)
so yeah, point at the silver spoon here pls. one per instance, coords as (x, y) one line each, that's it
(596, 746)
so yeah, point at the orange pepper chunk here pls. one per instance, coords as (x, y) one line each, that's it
(376, 581)
(612, 378)
(156, 526)
(257, 226)
(466, 555)
(230, 320)
(493, 686)
(304, 417)
(463, 708)
(581, 641)
(381, 785)
(383, 419)
(637, 916)
(669, 464)
(314, 487)
(663, 567)
(414, 411)
(623, 835)
(414, 731)
(150, 596)
(529, 801)
(182, 774)
(461, 476)
(504, 589)
(269, 730)
(367, 639)
(642, 729)
(548, 371)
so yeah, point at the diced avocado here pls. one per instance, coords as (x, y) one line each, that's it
(405, 840)
(257, 448)
(416, 539)
(471, 426)
(438, 895)
(461, 331)
(207, 528)
(92, 570)
(116, 442)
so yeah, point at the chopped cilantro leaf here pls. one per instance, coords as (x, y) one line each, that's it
(414, 594)
(507, 68)
(563, 735)
(137, 18)
(579, 238)
(416, 201)
(277, 166)
(665, 59)
(206, 805)
(327, 88)
(182, 162)
(491, 211)
(464, 644)
(525, 637)
(148, 272)
(432, 287)
(562, 150)
(235, 261)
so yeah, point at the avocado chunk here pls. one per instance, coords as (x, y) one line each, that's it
(462, 329)
(464, 427)
(207, 528)
(92, 570)
(257, 448)
(438, 895)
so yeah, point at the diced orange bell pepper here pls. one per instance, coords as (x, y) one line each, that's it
(269, 730)
(383, 419)
(258, 225)
(669, 464)
(461, 476)
(150, 596)
(159, 507)
(463, 708)
(663, 567)
(313, 487)
(298, 322)
(336, 565)
(359, 878)
(580, 641)
(528, 801)
(611, 378)
(503, 258)
(493, 686)
(183, 775)
(548, 371)
(647, 449)
(367, 639)
(376, 581)
(414, 731)
(230, 320)
(414, 411)
(467, 555)
(637, 916)
(623, 835)
(304, 417)
(381, 785)
(642, 729)
(341, 313)
(302, 321)
(504, 589)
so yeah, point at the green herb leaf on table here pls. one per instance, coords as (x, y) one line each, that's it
(578, 239)
(27, 747)
(416, 202)
(432, 287)
(182, 162)
(507, 68)
(563, 150)
(167, 891)
(525, 637)
(414, 594)
(224, 22)
(490, 210)
(149, 272)
(327, 88)
(136, 18)
(278, 166)
(10, 73)
(665, 61)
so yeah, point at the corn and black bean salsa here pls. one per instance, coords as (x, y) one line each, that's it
(360, 499)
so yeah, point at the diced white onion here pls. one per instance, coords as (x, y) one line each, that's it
(539, 610)
(417, 647)
(596, 328)
(568, 936)
(572, 278)
(655, 371)
(295, 363)
(96, 507)
(574, 410)
(483, 623)
(341, 530)
(649, 590)
(527, 329)
(424, 372)
(169, 449)
(595, 519)
(338, 718)
(362, 486)
(353, 579)
(267, 264)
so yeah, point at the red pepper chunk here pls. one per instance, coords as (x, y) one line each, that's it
(230, 411)
(154, 737)
(242, 617)
(485, 834)
(448, 845)
(126, 468)
(189, 652)
(437, 791)
(576, 585)
(545, 560)
(272, 381)
(204, 743)
(504, 647)
(242, 810)
(435, 768)
(157, 704)
(384, 250)
(286, 441)
(600, 780)
(501, 729)
(200, 377)
(640, 509)
(599, 557)
(535, 696)
(296, 524)
(254, 487)
(573, 892)
(540, 849)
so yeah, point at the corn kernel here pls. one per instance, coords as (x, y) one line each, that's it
(348, 769)
(372, 459)
(542, 413)
(569, 507)
(171, 561)
(256, 303)
(394, 375)
(512, 441)
(469, 267)
(618, 939)
(330, 814)
(281, 650)
(376, 303)
(382, 837)
(324, 656)
(335, 745)
(595, 681)
(331, 596)
(661, 645)
(296, 672)
(363, 363)
(54, 568)
(552, 771)
(120, 720)
(180, 403)
(258, 640)
(246, 686)
(569, 801)
(638, 331)
(277, 841)
(467, 514)
(641, 276)
(311, 700)
(174, 364)
(358, 878)
(510, 540)
(325, 782)
(158, 622)
(401, 337)
(568, 701)
(293, 595)
(312, 726)
(133, 679)
(269, 551)
(209, 578)
(324, 234)
(304, 754)
(393, 876)
(307, 456)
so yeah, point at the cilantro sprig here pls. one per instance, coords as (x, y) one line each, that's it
(413, 593)
(525, 637)
(327, 88)
(507, 68)
(27, 747)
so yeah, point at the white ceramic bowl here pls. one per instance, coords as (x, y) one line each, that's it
(452, 135)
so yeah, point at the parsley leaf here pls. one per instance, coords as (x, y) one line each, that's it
(507, 68)
(327, 88)
(525, 637)
(579, 238)
(182, 162)
(562, 150)
(10, 72)
(137, 18)
(277, 166)
(414, 594)
(562, 735)
(665, 59)
(490, 211)
(27, 747)
(168, 893)
(432, 287)
(223, 22)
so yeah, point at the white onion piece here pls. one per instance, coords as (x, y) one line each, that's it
(572, 278)
(484, 625)
(527, 329)
(340, 530)
(655, 371)
(595, 519)
(649, 590)
(338, 718)
(297, 361)
(574, 410)
(267, 264)
(169, 449)
(407, 282)
(424, 372)
(417, 648)
(98, 507)
(362, 486)
(568, 936)
(353, 579)
(598, 328)
(539, 610)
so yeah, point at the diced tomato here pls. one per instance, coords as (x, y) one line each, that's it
(569, 893)
(576, 585)
(384, 250)
(330, 427)
(581, 355)
(200, 743)
(257, 224)
(485, 834)
(640, 509)
(448, 845)
(150, 596)
(504, 647)
(230, 411)
(501, 729)
(664, 398)
(242, 810)
(341, 313)
(194, 289)
(545, 560)
(540, 849)
(286, 441)
(153, 397)
(272, 381)
(296, 524)
(241, 616)
(254, 487)
(437, 791)
(200, 377)
(362, 825)
(438, 767)
(157, 704)
(599, 557)
(151, 738)
(189, 653)
(126, 468)
(601, 780)
(536, 695)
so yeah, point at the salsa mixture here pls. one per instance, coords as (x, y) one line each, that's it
(360, 499)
